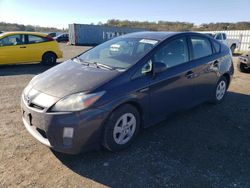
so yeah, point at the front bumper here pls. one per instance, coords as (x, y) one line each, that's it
(59, 54)
(48, 128)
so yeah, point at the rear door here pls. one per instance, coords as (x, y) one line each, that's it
(206, 69)
(172, 89)
(12, 49)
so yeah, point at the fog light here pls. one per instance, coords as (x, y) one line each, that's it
(68, 132)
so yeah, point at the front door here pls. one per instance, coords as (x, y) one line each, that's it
(172, 89)
(12, 49)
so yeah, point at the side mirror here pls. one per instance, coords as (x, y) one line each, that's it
(159, 67)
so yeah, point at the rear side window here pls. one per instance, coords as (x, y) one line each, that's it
(224, 36)
(201, 47)
(216, 46)
(36, 39)
(218, 36)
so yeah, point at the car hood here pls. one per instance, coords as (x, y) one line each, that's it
(71, 77)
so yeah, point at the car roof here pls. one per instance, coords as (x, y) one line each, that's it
(155, 35)
(150, 35)
(23, 32)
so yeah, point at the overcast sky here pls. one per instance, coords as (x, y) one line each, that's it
(54, 13)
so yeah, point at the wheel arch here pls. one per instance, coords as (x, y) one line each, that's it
(133, 103)
(234, 44)
(49, 52)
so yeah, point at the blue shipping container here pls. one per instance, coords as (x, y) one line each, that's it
(82, 34)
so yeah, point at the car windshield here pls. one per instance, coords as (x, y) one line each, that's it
(120, 52)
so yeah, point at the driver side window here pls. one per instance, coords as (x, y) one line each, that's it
(12, 40)
(173, 53)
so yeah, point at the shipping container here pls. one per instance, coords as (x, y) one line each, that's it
(82, 34)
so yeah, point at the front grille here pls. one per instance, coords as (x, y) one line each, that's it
(32, 105)
(42, 132)
(36, 106)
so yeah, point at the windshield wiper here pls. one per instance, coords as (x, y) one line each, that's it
(109, 67)
(99, 65)
(105, 66)
(79, 60)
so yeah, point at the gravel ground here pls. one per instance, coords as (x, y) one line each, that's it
(207, 146)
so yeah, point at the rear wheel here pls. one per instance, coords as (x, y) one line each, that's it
(220, 90)
(49, 58)
(121, 128)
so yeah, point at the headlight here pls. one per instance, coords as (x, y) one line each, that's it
(76, 102)
(29, 86)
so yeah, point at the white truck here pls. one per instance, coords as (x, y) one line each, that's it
(231, 43)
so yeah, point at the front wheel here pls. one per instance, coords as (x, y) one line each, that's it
(244, 68)
(220, 90)
(49, 58)
(121, 128)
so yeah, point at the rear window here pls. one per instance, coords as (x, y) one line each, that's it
(36, 39)
(201, 47)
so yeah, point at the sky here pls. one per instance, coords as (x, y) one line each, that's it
(54, 13)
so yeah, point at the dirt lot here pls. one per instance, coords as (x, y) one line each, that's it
(208, 146)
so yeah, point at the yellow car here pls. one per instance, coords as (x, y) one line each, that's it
(25, 47)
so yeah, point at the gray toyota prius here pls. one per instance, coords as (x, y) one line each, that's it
(106, 95)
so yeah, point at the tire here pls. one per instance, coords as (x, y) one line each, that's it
(220, 90)
(242, 68)
(118, 134)
(232, 48)
(49, 58)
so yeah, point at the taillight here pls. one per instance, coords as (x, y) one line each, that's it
(49, 38)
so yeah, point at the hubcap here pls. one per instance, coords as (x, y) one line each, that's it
(50, 59)
(124, 128)
(221, 90)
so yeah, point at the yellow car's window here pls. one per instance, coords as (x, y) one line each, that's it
(36, 39)
(12, 40)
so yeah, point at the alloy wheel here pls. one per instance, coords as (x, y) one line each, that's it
(124, 128)
(221, 90)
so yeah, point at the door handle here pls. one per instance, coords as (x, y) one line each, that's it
(189, 75)
(22, 46)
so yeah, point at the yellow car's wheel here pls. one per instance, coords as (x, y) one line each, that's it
(49, 58)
